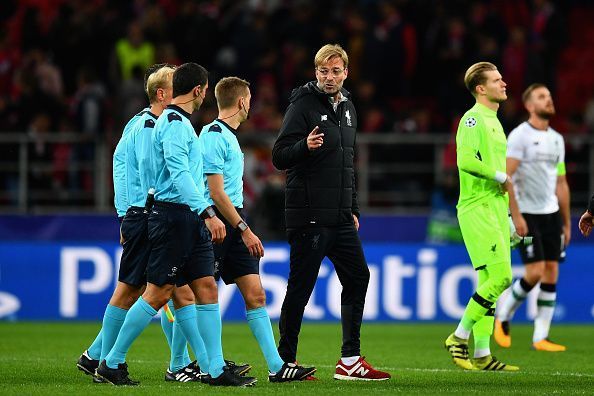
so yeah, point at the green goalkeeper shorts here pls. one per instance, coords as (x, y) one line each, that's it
(485, 229)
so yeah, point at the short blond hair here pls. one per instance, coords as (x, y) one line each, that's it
(330, 51)
(229, 89)
(162, 78)
(475, 75)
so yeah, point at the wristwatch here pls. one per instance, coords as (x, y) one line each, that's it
(242, 226)
(208, 213)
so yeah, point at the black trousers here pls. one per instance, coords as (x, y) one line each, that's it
(341, 244)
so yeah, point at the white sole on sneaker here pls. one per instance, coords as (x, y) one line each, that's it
(349, 378)
(84, 370)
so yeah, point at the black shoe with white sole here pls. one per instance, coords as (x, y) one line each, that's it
(86, 364)
(291, 372)
(190, 373)
(230, 378)
(117, 376)
(239, 369)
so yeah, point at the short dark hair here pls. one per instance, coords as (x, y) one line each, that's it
(528, 92)
(187, 76)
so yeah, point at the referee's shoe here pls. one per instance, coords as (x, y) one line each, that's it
(86, 364)
(229, 378)
(291, 372)
(117, 376)
(190, 373)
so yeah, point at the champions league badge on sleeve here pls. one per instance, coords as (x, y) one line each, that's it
(470, 122)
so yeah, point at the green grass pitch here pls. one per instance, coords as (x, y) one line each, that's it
(39, 358)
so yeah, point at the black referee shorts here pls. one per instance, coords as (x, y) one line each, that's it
(232, 257)
(547, 242)
(136, 247)
(181, 247)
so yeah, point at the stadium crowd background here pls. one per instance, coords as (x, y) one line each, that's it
(76, 67)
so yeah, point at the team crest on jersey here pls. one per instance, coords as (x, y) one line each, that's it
(470, 122)
(347, 114)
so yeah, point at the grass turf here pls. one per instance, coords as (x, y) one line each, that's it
(39, 358)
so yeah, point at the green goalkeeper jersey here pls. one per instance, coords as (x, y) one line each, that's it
(480, 150)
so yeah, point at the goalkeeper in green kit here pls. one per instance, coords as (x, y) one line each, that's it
(482, 214)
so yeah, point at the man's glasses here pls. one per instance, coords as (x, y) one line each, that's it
(335, 71)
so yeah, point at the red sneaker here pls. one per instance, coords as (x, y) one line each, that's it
(359, 371)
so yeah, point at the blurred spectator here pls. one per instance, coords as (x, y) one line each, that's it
(9, 61)
(131, 97)
(514, 62)
(392, 54)
(88, 103)
(40, 156)
(589, 115)
(547, 36)
(133, 52)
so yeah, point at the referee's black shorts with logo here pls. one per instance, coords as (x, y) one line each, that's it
(181, 247)
(136, 247)
(547, 242)
(232, 257)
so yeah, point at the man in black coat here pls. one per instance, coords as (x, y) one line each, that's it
(316, 147)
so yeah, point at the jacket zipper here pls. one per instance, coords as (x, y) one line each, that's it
(339, 113)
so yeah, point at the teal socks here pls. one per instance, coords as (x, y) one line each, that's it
(113, 319)
(259, 323)
(209, 324)
(95, 349)
(139, 316)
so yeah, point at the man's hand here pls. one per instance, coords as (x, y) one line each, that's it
(585, 224)
(315, 139)
(566, 234)
(356, 221)
(521, 225)
(121, 237)
(253, 243)
(507, 186)
(216, 228)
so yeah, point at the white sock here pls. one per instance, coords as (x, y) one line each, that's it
(519, 291)
(544, 314)
(479, 353)
(461, 332)
(349, 361)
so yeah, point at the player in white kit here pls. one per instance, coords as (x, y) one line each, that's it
(536, 162)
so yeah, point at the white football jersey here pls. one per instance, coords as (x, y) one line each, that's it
(535, 180)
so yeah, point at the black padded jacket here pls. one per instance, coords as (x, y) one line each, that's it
(320, 188)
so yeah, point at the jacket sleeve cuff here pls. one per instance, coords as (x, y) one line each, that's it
(303, 149)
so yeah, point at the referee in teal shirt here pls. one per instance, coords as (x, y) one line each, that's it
(237, 258)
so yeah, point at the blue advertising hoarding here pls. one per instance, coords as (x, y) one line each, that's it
(409, 282)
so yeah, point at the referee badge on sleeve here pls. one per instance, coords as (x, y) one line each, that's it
(470, 122)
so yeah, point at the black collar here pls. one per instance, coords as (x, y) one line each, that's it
(227, 126)
(179, 110)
